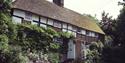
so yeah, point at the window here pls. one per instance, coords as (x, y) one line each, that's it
(93, 34)
(78, 30)
(65, 26)
(69, 27)
(83, 32)
(74, 29)
(50, 22)
(96, 35)
(35, 17)
(87, 33)
(28, 16)
(57, 24)
(43, 20)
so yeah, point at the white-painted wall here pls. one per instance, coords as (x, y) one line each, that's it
(19, 13)
(71, 50)
(16, 20)
(22, 14)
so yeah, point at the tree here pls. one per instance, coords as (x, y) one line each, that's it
(120, 28)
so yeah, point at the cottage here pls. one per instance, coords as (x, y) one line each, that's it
(44, 14)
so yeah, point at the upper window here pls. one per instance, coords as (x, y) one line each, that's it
(96, 35)
(78, 30)
(43, 20)
(83, 32)
(64, 25)
(69, 27)
(87, 33)
(28, 15)
(57, 24)
(74, 29)
(93, 34)
(50, 22)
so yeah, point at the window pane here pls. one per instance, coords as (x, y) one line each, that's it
(78, 30)
(69, 27)
(74, 29)
(28, 16)
(83, 32)
(43, 20)
(64, 25)
(50, 22)
(87, 33)
(57, 24)
(93, 34)
(96, 35)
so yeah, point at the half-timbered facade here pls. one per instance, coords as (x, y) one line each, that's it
(47, 14)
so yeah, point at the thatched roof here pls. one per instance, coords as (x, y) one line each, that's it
(51, 10)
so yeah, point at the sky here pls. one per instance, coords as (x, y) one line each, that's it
(94, 7)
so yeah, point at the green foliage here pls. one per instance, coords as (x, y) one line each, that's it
(5, 5)
(54, 45)
(15, 40)
(93, 54)
(3, 43)
(66, 35)
(108, 24)
(54, 57)
(119, 38)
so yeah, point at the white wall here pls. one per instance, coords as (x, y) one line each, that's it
(71, 50)
(22, 14)
(16, 20)
(19, 13)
